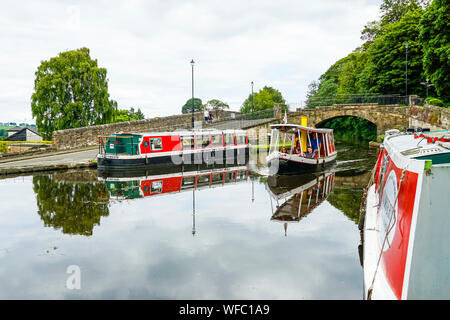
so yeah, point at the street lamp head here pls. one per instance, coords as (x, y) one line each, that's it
(406, 45)
(192, 62)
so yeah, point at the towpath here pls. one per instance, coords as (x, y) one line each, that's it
(51, 161)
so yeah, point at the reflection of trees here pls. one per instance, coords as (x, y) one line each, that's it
(348, 200)
(73, 207)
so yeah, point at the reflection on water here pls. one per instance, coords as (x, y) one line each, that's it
(131, 234)
(72, 207)
(294, 197)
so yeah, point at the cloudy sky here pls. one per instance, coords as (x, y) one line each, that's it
(147, 46)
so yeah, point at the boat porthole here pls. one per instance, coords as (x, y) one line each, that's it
(146, 189)
(146, 144)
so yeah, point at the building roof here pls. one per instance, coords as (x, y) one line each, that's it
(9, 138)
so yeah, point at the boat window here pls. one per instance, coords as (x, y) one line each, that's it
(188, 142)
(241, 139)
(241, 175)
(217, 140)
(217, 178)
(156, 187)
(203, 180)
(230, 176)
(205, 141)
(188, 182)
(156, 144)
(229, 139)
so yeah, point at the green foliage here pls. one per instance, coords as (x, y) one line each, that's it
(73, 207)
(264, 99)
(3, 147)
(347, 200)
(394, 10)
(435, 39)
(352, 129)
(128, 115)
(379, 66)
(70, 91)
(435, 101)
(187, 108)
(217, 105)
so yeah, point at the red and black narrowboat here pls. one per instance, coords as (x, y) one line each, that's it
(138, 150)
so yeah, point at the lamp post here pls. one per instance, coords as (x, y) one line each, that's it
(192, 64)
(427, 84)
(252, 96)
(406, 72)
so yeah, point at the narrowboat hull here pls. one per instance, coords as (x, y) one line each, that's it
(288, 165)
(234, 156)
(406, 223)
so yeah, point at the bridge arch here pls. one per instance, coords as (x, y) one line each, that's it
(385, 117)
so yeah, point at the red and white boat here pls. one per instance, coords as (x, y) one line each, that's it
(138, 150)
(407, 220)
(288, 149)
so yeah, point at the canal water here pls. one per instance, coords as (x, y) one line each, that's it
(238, 235)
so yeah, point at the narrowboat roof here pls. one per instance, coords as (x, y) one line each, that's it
(297, 126)
(417, 146)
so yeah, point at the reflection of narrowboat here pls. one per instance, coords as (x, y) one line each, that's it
(288, 153)
(296, 198)
(407, 221)
(136, 150)
(158, 184)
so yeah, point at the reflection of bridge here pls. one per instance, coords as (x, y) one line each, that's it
(353, 181)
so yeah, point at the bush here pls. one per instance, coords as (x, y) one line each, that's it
(435, 102)
(3, 147)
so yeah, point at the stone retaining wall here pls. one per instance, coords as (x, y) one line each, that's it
(88, 136)
(435, 118)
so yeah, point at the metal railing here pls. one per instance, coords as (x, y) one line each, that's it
(357, 99)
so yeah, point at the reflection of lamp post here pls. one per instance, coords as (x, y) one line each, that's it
(193, 211)
(427, 84)
(252, 96)
(406, 73)
(192, 64)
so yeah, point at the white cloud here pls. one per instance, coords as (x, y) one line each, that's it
(146, 47)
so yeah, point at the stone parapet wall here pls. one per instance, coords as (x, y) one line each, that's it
(385, 117)
(88, 136)
(435, 118)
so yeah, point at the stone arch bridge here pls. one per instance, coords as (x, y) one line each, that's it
(385, 117)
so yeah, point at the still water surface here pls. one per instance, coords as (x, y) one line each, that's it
(238, 236)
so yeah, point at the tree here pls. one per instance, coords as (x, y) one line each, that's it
(217, 105)
(128, 115)
(187, 108)
(435, 38)
(388, 60)
(70, 91)
(263, 100)
(394, 10)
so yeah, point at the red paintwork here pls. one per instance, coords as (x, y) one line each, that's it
(169, 143)
(394, 258)
(173, 184)
(173, 143)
